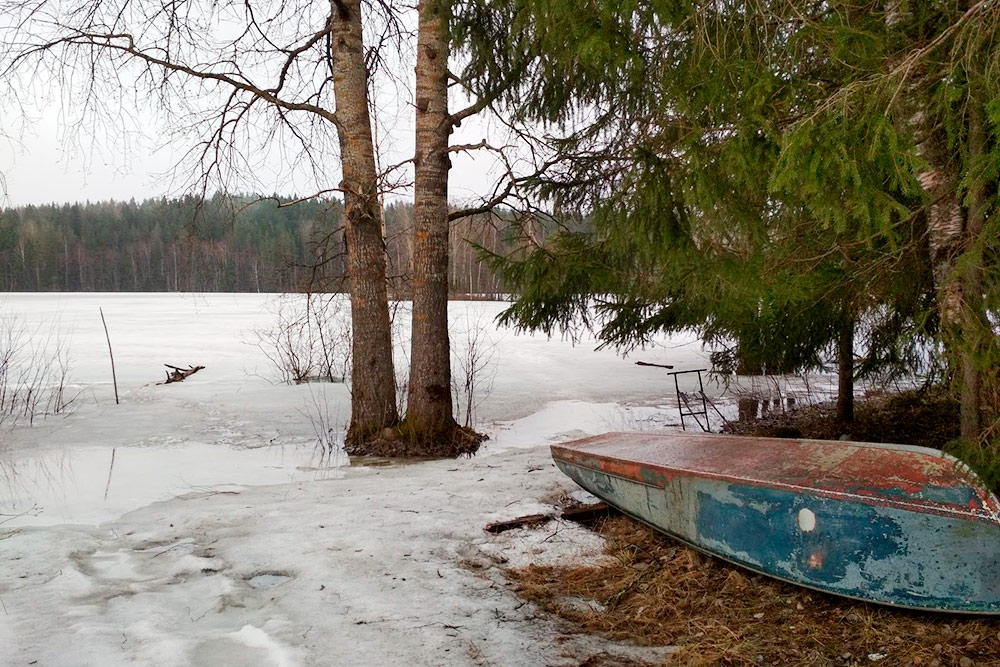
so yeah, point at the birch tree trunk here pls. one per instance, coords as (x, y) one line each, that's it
(948, 234)
(952, 230)
(373, 398)
(429, 403)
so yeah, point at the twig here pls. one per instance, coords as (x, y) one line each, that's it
(114, 377)
(520, 522)
(35, 510)
(179, 374)
(110, 469)
(631, 586)
(554, 533)
(176, 545)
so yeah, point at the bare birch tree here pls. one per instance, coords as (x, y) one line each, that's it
(373, 403)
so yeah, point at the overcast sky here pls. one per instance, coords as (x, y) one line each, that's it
(44, 166)
(131, 151)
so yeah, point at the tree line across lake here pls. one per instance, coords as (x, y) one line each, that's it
(223, 244)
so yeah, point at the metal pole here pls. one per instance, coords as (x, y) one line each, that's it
(704, 403)
(680, 408)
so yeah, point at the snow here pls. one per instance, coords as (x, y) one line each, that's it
(223, 535)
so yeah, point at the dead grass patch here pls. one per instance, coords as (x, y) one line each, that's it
(925, 417)
(654, 591)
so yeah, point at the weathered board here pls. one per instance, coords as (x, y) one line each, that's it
(893, 524)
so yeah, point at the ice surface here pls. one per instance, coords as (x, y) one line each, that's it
(267, 580)
(231, 426)
(218, 486)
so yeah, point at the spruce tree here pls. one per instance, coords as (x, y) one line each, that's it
(778, 174)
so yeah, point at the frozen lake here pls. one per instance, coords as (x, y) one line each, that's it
(200, 524)
(233, 424)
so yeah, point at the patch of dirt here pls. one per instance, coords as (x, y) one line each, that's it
(612, 660)
(655, 591)
(928, 418)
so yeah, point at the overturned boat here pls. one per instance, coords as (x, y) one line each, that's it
(893, 524)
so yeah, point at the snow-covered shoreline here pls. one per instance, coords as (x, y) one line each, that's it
(385, 566)
(218, 480)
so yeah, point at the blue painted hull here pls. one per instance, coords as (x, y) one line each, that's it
(889, 553)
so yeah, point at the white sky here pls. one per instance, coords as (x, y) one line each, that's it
(45, 158)
(43, 166)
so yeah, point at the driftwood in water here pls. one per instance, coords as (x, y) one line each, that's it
(179, 374)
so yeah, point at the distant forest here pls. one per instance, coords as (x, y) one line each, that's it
(223, 244)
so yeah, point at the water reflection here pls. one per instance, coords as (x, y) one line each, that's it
(90, 485)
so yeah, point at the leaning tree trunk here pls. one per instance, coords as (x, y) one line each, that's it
(373, 398)
(429, 403)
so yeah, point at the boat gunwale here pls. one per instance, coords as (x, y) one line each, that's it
(989, 513)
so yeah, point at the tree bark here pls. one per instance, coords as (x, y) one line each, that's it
(974, 322)
(947, 233)
(429, 403)
(950, 232)
(845, 373)
(373, 396)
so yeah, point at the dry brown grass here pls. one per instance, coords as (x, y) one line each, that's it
(928, 418)
(657, 592)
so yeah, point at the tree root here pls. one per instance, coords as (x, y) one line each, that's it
(403, 442)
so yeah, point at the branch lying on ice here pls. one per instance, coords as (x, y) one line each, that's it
(179, 374)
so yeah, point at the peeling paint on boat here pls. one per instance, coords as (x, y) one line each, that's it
(898, 525)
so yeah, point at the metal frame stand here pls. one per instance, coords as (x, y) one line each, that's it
(682, 401)
(682, 398)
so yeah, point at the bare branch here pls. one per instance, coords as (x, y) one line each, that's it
(489, 97)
